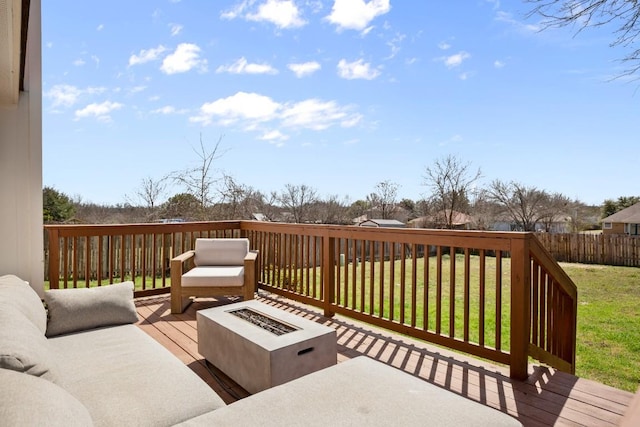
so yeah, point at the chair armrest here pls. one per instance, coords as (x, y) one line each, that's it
(177, 264)
(251, 256)
(183, 257)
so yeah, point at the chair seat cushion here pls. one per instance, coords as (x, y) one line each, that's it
(214, 276)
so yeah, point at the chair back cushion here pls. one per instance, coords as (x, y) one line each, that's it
(225, 252)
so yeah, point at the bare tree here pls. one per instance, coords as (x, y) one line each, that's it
(199, 180)
(451, 183)
(266, 204)
(384, 199)
(526, 206)
(557, 209)
(148, 194)
(297, 200)
(237, 201)
(331, 211)
(625, 14)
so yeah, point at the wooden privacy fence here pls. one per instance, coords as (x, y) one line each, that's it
(606, 249)
(500, 296)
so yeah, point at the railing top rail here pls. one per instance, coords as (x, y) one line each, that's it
(543, 257)
(71, 230)
(492, 240)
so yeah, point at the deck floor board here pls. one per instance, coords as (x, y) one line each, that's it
(547, 397)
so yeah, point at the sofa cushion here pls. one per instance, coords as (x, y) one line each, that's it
(221, 251)
(23, 347)
(16, 292)
(126, 378)
(72, 310)
(213, 276)
(358, 392)
(32, 401)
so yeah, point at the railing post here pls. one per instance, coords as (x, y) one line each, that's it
(54, 258)
(328, 273)
(520, 307)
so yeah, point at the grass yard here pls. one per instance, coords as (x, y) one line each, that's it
(608, 345)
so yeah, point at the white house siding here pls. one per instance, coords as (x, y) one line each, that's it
(21, 242)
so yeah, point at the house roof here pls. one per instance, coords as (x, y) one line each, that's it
(630, 215)
(458, 218)
(381, 223)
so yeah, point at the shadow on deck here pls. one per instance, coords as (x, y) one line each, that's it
(548, 397)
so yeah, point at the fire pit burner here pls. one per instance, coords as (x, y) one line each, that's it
(263, 321)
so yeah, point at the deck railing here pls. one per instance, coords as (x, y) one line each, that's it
(494, 295)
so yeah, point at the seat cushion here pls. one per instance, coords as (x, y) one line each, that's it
(214, 276)
(72, 310)
(359, 392)
(32, 401)
(220, 252)
(126, 378)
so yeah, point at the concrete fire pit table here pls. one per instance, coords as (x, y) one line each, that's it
(260, 346)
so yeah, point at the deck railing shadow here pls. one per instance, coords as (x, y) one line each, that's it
(487, 384)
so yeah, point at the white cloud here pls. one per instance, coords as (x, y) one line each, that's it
(137, 89)
(508, 18)
(282, 13)
(185, 58)
(236, 11)
(315, 114)
(100, 111)
(394, 45)
(241, 106)
(147, 55)
(455, 60)
(64, 95)
(357, 70)
(253, 111)
(241, 66)
(100, 27)
(499, 64)
(168, 109)
(274, 137)
(356, 14)
(444, 46)
(78, 62)
(175, 29)
(304, 69)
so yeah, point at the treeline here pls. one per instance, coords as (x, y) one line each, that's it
(455, 201)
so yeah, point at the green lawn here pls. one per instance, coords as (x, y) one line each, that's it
(608, 345)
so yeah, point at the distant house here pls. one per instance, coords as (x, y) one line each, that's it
(626, 221)
(394, 223)
(260, 217)
(459, 220)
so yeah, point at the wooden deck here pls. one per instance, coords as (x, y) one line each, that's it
(548, 397)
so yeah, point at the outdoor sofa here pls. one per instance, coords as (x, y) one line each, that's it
(83, 361)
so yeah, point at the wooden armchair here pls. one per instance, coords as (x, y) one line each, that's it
(220, 267)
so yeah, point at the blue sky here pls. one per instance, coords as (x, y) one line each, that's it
(337, 95)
